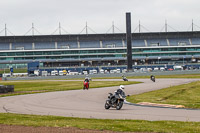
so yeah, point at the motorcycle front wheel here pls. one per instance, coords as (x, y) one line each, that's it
(107, 105)
(119, 105)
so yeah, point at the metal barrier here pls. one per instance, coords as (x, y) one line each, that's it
(6, 88)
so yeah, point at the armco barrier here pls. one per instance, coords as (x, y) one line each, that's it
(6, 88)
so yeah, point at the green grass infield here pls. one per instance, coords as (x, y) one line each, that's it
(186, 94)
(36, 86)
(100, 124)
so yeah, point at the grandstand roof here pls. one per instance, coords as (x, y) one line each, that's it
(85, 37)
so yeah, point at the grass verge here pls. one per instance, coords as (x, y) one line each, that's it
(186, 94)
(28, 87)
(100, 124)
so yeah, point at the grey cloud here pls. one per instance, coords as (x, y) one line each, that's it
(73, 14)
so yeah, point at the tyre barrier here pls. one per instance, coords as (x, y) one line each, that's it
(6, 88)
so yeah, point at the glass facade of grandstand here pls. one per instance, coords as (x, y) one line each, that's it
(99, 49)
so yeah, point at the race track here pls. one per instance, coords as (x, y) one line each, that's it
(90, 103)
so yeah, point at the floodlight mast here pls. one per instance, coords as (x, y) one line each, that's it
(192, 26)
(129, 42)
(113, 27)
(59, 28)
(86, 29)
(139, 27)
(5, 30)
(33, 29)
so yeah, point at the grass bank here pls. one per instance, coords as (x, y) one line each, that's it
(100, 124)
(186, 94)
(28, 87)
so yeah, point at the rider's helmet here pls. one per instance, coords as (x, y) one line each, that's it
(121, 87)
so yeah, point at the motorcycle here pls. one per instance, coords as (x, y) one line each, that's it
(85, 85)
(125, 79)
(153, 79)
(115, 101)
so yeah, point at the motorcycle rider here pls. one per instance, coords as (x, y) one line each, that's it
(124, 78)
(152, 76)
(119, 91)
(86, 80)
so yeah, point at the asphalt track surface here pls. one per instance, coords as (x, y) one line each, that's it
(90, 103)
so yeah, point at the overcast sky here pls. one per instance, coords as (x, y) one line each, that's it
(99, 15)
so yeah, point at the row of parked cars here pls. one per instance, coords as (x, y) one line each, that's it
(101, 71)
(65, 72)
(160, 69)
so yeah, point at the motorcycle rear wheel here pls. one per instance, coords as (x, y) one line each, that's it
(119, 105)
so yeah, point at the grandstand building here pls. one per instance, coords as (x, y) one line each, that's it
(99, 49)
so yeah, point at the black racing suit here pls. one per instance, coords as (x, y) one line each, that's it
(152, 77)
(86, 80)
(116, 95)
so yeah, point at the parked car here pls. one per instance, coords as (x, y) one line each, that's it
(32, 75)
(101, 71)
(170, 69)
(162, 69)
(54, 73)
(156, 69)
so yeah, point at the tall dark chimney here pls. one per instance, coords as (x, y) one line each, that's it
(129, 41)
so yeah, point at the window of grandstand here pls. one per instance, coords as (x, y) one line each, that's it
(178, 41)
(155, 44)
(138, 43)
(182, 43)
(4, 46)
(19, 48)
(65, 47)
(110, 45)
